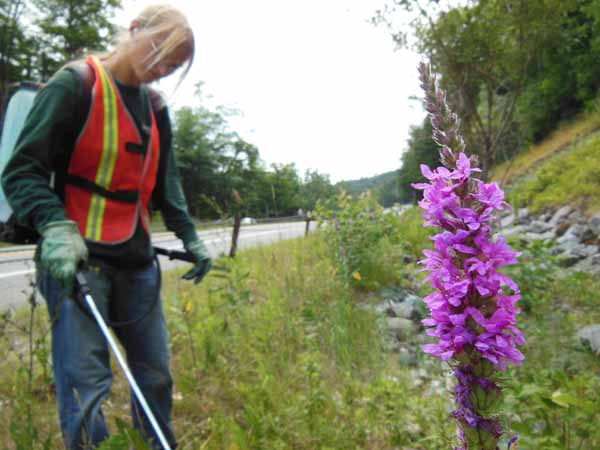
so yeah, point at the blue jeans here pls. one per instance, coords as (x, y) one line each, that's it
(80, 353)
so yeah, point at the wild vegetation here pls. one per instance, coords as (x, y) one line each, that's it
(272, 359)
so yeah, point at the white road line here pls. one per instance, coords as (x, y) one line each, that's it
(14, 274)
(207, 241)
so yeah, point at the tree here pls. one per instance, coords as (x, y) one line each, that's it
(315, 186)
(238, 180)
(484, 51)
(279, 190)
(422, 149)
(12, 40)
(566, 76)
(285, 183)
(71, 28)
(197, 153)
(389, 192)
(219, 170)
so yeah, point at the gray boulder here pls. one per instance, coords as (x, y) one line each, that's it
(560, 216)
(574, 232)
(590, 336)
(595, 223)
(523, 215)
(539, 227)
(400, 327)
(576, 253)
(507, 221)
(512, 231)
(547, 236)
(409, 308)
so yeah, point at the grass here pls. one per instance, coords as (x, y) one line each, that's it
(290, 360)
(568, 178)
(265, 358)
(276, 351)
(527, 162)
(553, 400)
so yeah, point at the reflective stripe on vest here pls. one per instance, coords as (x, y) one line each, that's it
(102, 158)
(109, 156)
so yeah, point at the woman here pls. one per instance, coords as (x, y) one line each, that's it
(106, 139)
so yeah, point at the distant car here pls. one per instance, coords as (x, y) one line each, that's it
(248, 221)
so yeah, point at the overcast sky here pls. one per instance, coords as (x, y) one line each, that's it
(316, 83)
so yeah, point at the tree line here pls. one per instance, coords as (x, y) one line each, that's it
(223, 176)
(513, 71)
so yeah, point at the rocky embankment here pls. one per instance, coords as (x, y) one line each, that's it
(571, 237)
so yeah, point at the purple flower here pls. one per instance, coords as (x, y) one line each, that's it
(473, 307)
(490, 195)
(463, 168)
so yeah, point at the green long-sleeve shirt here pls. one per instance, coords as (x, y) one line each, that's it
(45, 147)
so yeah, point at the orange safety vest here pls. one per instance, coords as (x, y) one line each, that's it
(110, 177)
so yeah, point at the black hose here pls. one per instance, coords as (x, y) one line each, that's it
(83, 289)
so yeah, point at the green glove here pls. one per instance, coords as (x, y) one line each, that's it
(202, 261)
(62, 250)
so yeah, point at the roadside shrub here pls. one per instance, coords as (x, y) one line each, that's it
(363, 240)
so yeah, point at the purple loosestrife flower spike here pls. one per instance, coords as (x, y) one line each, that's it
(473, 306)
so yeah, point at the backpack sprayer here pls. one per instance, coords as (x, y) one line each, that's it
(89, 301)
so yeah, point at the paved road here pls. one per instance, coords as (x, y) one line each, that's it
(17, 268)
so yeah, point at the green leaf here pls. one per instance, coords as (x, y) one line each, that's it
(566, 400)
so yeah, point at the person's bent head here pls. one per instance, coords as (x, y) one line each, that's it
(160, 40)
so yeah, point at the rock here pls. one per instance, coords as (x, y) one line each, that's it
(568, 260)
(555, 251)
(565, 244)
(523, 215)
(547, 236)
(588, 235)
(422, 339)
(575, 232)
(393, 293)
(538, 227)
(590, 336)
(513, 231)
(401, 327)
(562, 228)
(585, 251)
(407, 357)
(576, 253)
(507, 221)
(589, 265)
(539, 426)
(595, 223)
(560, 216)
(383, 308)
(408, 308)
(578, 217)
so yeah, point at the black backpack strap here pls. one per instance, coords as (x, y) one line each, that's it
(120, 195)
(86, 75)
(157, 100)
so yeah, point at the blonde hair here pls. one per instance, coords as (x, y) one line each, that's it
(171, 26)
